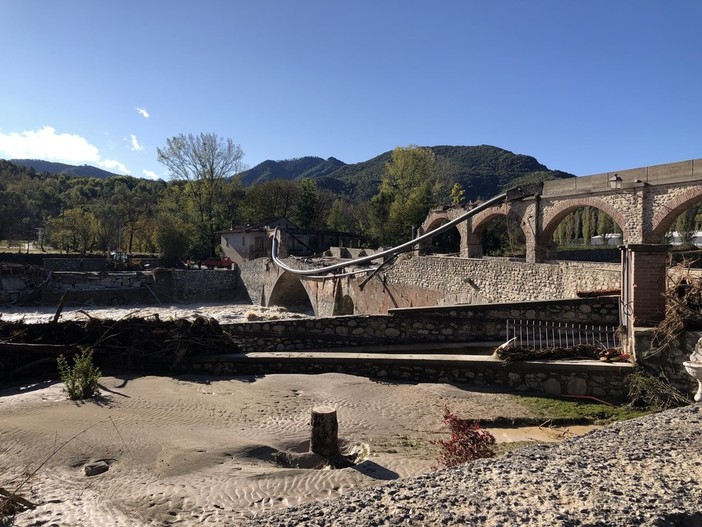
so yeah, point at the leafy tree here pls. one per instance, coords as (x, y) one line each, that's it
(458, 195)
(204, 163)
(501, 238)
(108, 226)
(336, 219)
(406, 194)
(272, 199)
(378, 217)
(685, 225)
(173, 237)
(73, 230)
(133, 205)
(588, 222)
(306, 209)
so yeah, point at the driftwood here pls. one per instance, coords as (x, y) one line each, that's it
(60, 306)
(683, 307)
(56, 349)
(11, 504)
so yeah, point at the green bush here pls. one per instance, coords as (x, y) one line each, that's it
(81, 379)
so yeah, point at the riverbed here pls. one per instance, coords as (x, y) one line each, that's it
(224, 313)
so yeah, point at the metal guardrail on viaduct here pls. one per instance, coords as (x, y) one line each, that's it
(644, 202)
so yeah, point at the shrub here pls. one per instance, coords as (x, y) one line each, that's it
(467, 441)
(80, 380)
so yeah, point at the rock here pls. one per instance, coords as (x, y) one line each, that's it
(93, 469)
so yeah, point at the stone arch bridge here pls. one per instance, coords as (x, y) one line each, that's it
(644, 202)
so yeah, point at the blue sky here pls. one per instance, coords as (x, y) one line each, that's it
(583, 86)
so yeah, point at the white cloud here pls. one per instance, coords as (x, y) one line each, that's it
(143, 112)
(48, 145)
(112, 166)
(136, 147)
(148, 174)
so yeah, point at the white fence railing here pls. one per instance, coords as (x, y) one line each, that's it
(536, 334)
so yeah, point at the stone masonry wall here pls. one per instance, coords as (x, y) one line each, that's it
(457, 324)
(426, 325)
(600, 380)
(501, 280)
(210, 285)
(92, 263)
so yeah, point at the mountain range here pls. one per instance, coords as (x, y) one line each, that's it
(51, 167)
(482, 171)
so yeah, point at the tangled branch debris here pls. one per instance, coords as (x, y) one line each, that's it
(580, 351)
(650, 388)
(130, 341)
(683, 307)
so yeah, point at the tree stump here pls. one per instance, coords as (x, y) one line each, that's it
(325, 432)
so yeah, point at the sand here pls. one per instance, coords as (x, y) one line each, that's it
(199, 451)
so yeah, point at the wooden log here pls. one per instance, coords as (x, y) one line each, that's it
(325, 432)
(61, 303)
(55, 349)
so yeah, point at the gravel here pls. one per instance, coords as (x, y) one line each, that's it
(642, 472)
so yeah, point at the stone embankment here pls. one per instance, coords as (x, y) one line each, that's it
(643, 472)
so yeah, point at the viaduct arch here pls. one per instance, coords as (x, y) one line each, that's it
(644, 202)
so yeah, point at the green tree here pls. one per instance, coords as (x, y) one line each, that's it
(685, 225)
(108, 226)
(458, 195)
(588, 225)
(406, 194)
(336, 220)
(133, 205)
(204, 163)
(306, 209)
(72, 230)
(275, 198)
(173, 237)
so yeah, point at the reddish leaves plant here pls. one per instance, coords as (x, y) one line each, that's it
(467, 442)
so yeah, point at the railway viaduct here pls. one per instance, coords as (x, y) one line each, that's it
(644, 202)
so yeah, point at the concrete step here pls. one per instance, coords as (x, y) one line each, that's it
(567, 377)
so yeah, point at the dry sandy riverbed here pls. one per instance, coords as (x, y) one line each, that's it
(192, 450)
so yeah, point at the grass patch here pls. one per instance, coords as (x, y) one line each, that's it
(565, 411)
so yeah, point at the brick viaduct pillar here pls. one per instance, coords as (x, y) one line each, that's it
(644, 268)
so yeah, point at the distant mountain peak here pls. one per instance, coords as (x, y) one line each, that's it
(52, 167)
(482, 171)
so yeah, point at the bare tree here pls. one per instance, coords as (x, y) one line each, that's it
(205, 163)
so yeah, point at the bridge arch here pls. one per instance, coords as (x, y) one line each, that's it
(564, 207)
(481, 221)
(344, 305)
(453, 238)
(289, 292)
(665, 217)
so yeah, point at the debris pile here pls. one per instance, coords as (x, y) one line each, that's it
(514, 353)
(131, 342)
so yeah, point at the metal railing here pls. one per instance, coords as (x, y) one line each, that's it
(537, 334)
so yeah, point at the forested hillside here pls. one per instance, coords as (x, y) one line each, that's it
(50, 167)
(380, 200)
(482, 171)
(300, 168)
